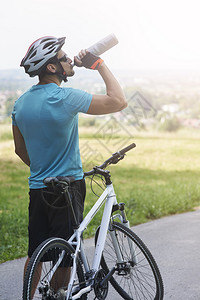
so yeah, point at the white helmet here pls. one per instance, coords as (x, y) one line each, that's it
(40, 53)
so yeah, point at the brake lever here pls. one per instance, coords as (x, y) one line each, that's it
(117, 159)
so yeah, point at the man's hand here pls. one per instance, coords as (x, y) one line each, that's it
(77, 59)
(88, 60)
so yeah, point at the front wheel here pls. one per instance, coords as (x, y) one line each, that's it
(136, 273)
(49, 271)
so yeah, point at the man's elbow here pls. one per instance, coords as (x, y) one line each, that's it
(17, 151)
(122, 104)
(125, 104)
(23, 155)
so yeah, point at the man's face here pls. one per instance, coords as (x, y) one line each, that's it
(66, 63)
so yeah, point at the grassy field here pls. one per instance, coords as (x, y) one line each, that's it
(158, 178)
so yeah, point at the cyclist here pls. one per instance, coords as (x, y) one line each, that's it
(45, 129)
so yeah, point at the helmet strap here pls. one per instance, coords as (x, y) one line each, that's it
(61, 74)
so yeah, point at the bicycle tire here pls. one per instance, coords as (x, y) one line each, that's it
(45, 257)
(141, 280)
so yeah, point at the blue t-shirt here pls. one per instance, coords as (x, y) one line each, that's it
(47, 117)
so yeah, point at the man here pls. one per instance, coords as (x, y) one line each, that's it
(45, 128)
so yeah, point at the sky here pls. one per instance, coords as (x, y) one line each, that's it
(152, 34)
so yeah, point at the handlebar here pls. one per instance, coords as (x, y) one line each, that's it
(114, 159)
(128, 148)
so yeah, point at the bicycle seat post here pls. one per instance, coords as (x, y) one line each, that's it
(68, 200)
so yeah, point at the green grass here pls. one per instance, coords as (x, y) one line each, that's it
(13, 210)
(159, 177)
(5, 132)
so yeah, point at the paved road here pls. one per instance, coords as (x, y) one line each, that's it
(175, 244)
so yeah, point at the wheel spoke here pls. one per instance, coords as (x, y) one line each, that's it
(48, 272)
(139, 279)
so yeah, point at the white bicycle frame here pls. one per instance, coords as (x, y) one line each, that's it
(75, 239)
(109, 197)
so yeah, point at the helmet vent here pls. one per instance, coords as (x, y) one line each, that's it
(47, 45)
(37, 61)
(31, 50)
(50, 51)
(33, 54)
(45, 40)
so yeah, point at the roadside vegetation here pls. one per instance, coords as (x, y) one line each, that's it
(159, 177)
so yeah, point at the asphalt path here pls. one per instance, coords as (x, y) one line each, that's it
(174, 242)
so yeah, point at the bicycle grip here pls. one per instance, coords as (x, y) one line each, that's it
(124, 150)
(49, 180)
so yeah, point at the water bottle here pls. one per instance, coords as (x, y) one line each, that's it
(103, 45)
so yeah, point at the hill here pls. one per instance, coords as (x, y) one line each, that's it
(180, 89)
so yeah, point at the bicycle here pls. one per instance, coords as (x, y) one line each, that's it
(120, 256)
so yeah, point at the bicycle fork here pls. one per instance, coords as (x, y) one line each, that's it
(122, 217)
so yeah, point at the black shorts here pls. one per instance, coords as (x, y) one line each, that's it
(46, 221)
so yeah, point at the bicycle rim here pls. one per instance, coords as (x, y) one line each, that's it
(54, 255)
(138, 277)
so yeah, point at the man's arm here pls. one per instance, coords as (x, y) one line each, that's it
(20, 147)
(114, 99)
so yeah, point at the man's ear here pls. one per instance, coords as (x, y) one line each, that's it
(51, 68)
